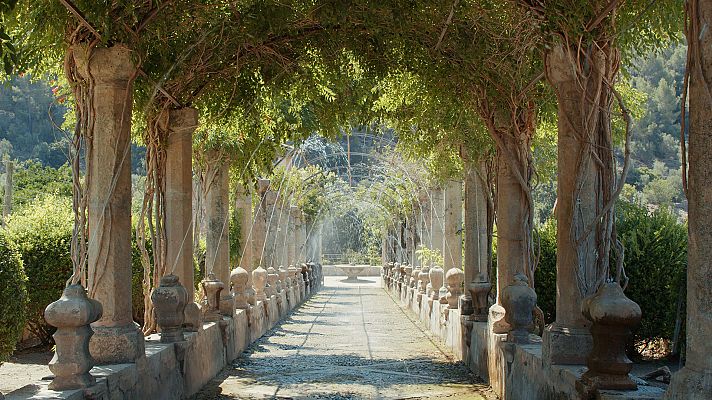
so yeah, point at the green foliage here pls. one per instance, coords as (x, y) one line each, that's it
(32, 181)
(13, 297)
(545, 275)
(29, 117)
(42, 233)
(655, 262)
(429, 256)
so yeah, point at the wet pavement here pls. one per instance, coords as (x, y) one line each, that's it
(349, 341)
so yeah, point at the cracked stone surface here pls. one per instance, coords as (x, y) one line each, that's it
(349, 341)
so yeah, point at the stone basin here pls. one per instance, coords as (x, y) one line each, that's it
(352, 271)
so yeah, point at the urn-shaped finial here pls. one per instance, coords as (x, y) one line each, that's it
(437, 275)
(479, 289)
(454, 279)
(423, 279)
(519, 300)
(71, 315)
(212, 289)
(259, 280)
(272, 279)
(282, 271)
(238, 279)
(614, 316)
(169, 300)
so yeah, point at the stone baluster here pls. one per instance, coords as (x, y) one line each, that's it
(436, 281)
(212, 290)
(259, 281)
(169, 302)
(272, 279)
(454, 279)
(72, 315)
(613, 316)
(239, 278)
(519, 301)
(479, 290)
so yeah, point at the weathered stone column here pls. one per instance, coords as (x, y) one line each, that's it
(179, 196)
(452, 247)
(694, 381)
(259, 226)
(425, 228)
(117, 339)
(476, 240)
(243, 204)
(437, 202)
(292, 236)
(272, 220)
(217, 241)
(568, 340)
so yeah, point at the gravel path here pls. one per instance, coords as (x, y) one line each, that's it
(350, 341)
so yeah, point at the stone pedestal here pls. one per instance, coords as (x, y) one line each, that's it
(71, 315)
(613, 316)
(282, 271)
(212, 290)
(117, 339)
(259, 280)
(519, 301)
(239, 279)
(169, 301)
(436, 281)
(454, 278)
(272, 279)
(479, 290)
(179, 196)
(217, 242)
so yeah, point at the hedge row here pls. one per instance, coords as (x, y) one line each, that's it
(655, 262)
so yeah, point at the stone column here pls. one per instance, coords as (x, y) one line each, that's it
(272, 220)
(452, 248)
(179, 196)
(259, 225)
(217, 241)
(117, 339)
(568, 340)
(292, 235)
(282, 226)
(476, 241)
(243, 204)
(426, 221)
(437, 202)
(694, 381)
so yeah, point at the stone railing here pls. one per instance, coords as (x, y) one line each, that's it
(180, 360)
(511, 361)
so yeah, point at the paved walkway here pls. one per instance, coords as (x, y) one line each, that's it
(350, 341)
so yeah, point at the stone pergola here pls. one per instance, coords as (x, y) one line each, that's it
(194, 341)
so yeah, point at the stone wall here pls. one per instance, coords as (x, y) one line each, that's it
(514, 371)
(177, 370)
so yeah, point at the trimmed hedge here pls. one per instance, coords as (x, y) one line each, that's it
(42, 233)
(655, 262)
(13, 297)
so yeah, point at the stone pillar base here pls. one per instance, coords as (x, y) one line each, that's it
(566, 346)
(116, 344)
(690, 384)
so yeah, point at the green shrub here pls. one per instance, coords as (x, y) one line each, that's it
(545, 275)
(13, 297)
(42, 233)
(656, 264)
